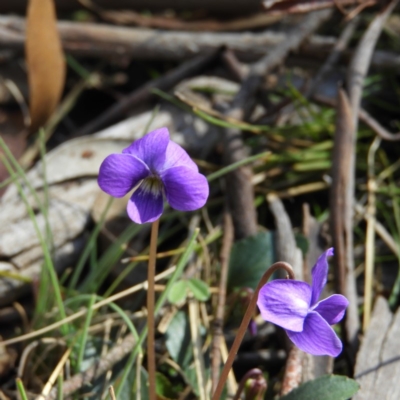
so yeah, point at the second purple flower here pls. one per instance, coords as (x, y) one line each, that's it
(154, 167)
(294, 306)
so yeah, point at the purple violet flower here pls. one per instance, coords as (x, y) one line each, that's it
(294, 306)
(154, 167)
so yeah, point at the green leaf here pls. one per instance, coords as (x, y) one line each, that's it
(178, 341)
(178, 292)
(130, 387)
(249, 259)
(164, 387)
(302, 243)
(327, 387)
(200, 289)
(191, 377)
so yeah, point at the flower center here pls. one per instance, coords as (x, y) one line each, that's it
(152, 184)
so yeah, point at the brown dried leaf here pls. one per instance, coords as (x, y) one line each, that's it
(45, 61)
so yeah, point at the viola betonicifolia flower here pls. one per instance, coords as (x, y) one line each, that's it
(294, 306)
(155, 168)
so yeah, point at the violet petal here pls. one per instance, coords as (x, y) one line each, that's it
(332, 309)
(317, 337)
(119, 173)
(145, 206)
(285, 303)
(176, 156)
(151, 148)
(320, 275)
(185, 189)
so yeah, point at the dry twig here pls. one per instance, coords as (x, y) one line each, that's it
(111, 42)
(117, 353)
(130, 17)
(219, 314)
(340, 205)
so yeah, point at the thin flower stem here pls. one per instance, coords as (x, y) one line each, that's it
(245, 323)
(160, 301)
(151, 357)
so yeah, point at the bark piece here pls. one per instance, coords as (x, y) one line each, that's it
(376, 357)
(387, 379)
(286, 247)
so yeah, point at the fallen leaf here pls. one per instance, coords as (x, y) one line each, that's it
(45, 61)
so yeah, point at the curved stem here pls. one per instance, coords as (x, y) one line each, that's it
(254, 373)
(245, 323)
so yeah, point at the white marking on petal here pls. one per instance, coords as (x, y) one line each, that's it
(152, 184)
(301, 304)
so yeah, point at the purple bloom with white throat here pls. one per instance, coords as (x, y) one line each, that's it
(294, 306)
(155, 168)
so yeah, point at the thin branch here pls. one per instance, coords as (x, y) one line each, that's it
(106, 363)
(377, 127)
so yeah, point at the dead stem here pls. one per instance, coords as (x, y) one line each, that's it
(219, 314)
(245, 323)
(111, 392)
(370, 234)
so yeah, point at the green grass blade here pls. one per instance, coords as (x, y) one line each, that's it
(48, 262)
(232, 167)
(89, 246)
(82, 344)
(96, 278)
(21, 389)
